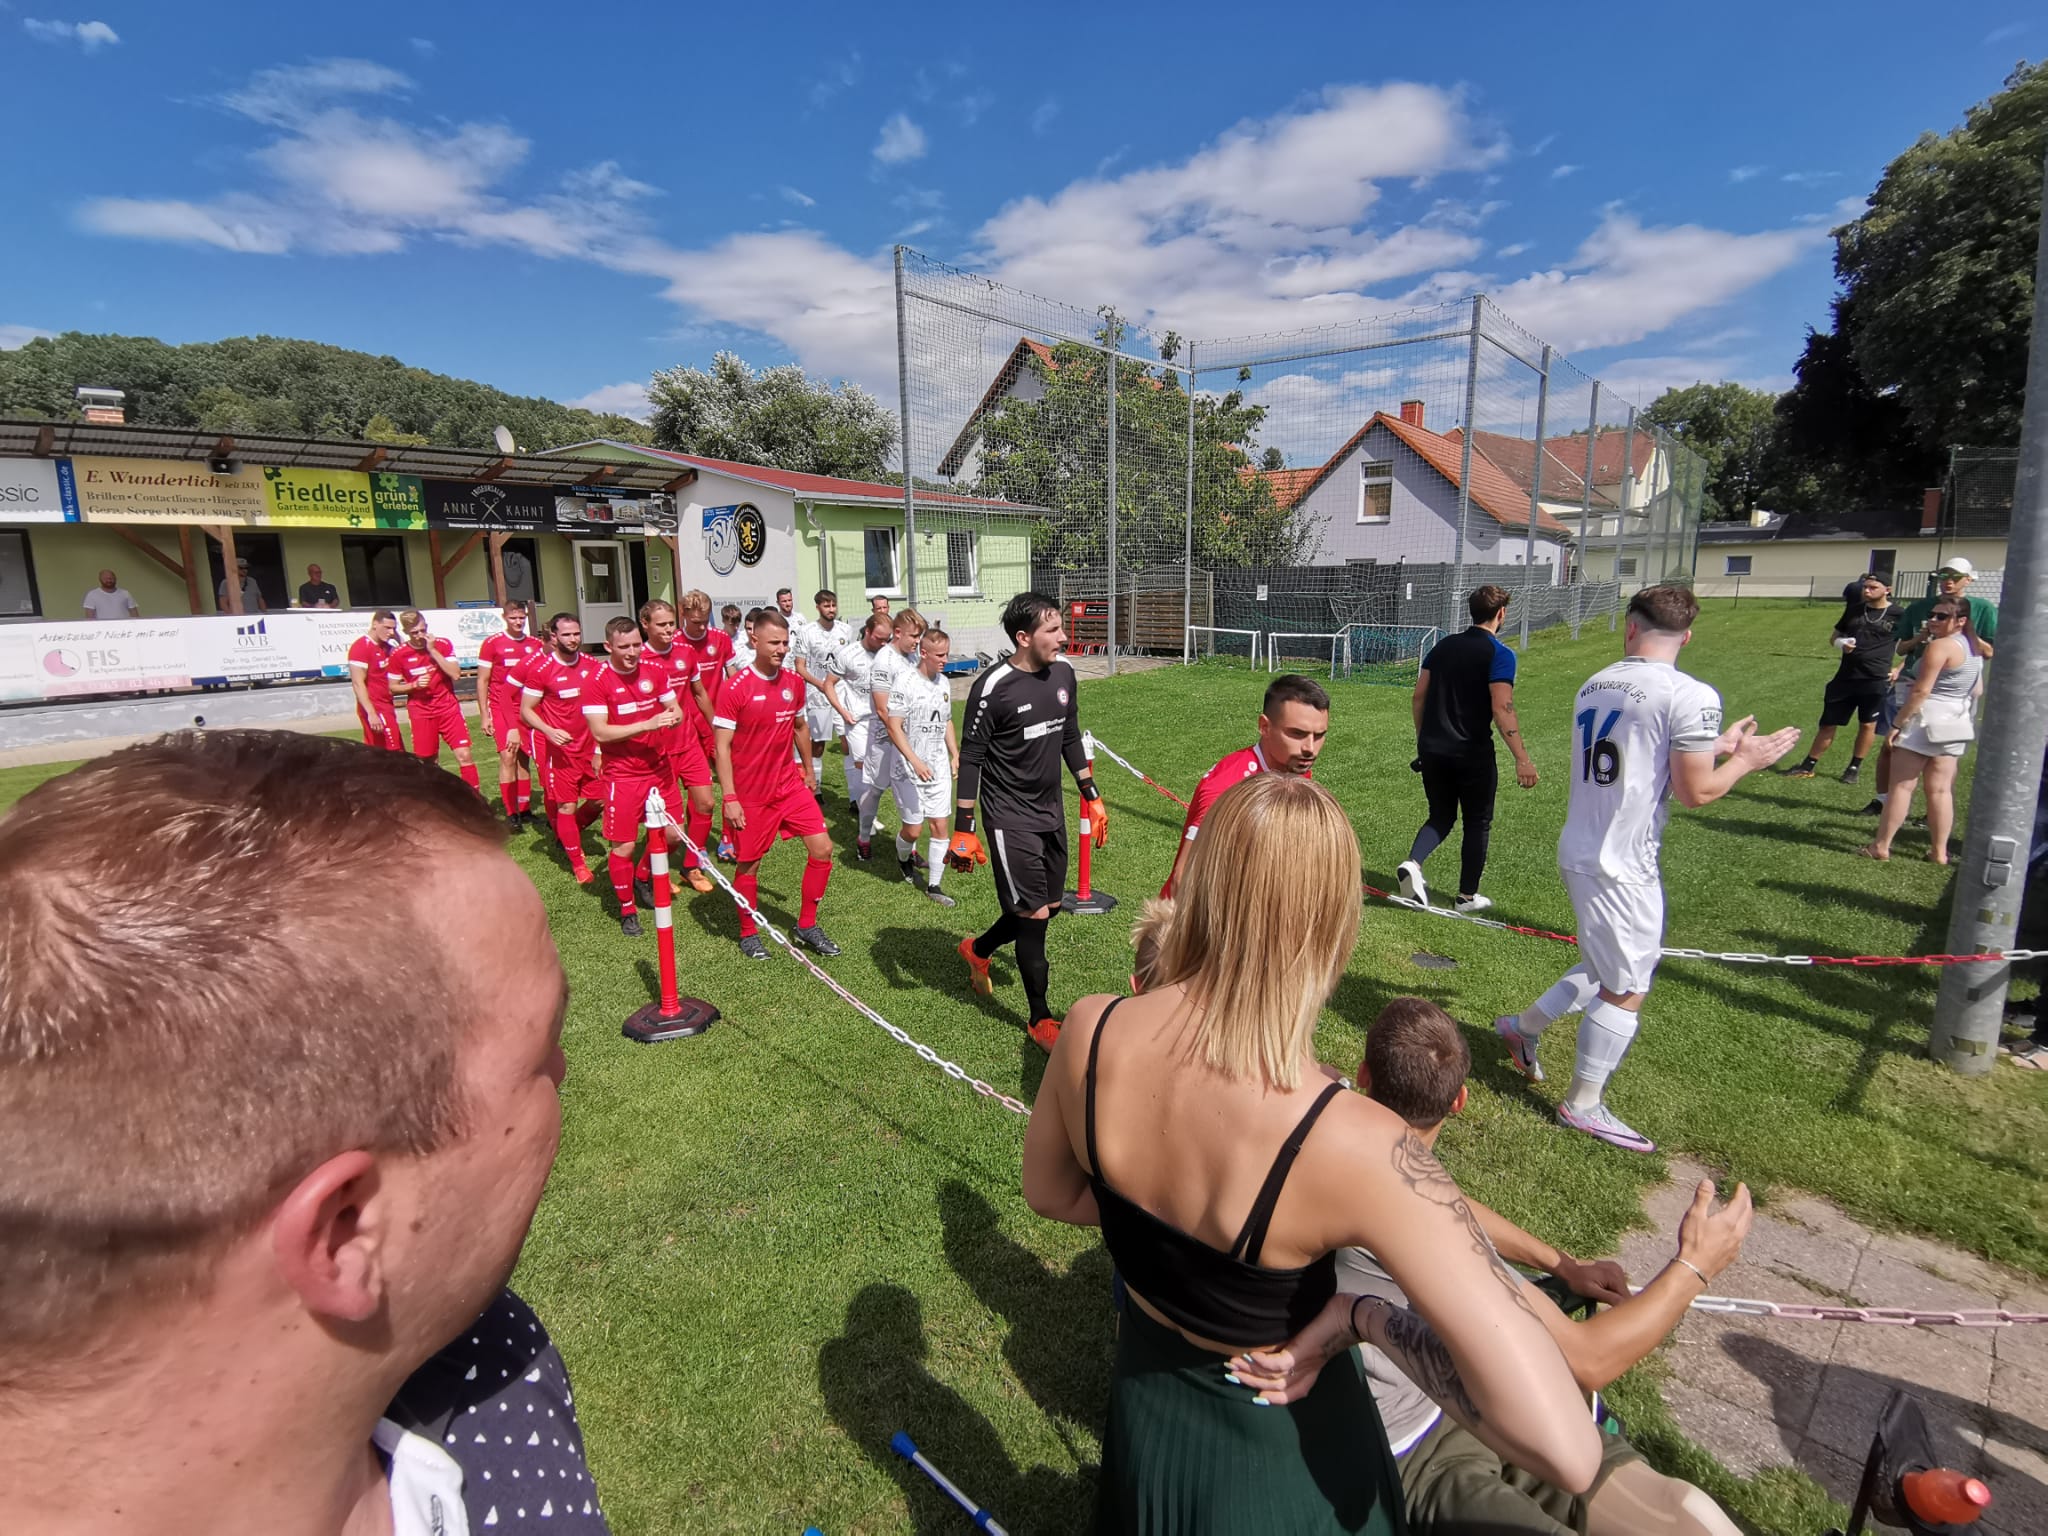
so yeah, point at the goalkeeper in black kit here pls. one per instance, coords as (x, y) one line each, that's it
(1023, 717)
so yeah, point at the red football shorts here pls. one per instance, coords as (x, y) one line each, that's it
(793, 812)
(625, 803)
(504, 721)
(572, 776)
(383, 731)
(687, 758)
(436, 722)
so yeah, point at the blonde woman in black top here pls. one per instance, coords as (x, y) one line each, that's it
(1195, 1126)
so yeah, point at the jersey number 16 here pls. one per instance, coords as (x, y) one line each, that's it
(1599, 754)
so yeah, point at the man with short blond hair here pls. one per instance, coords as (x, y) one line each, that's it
(260, 1292)
(423, 672)
(891, 662)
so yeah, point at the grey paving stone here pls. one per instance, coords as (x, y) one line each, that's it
(2018, 1478)
(1950, 1380)
(2026, 1343)
(1745, 1361)
(1886, 1278)
(1744, 1442)
(1835, 1472)
(1939, 1259)
(1826, 1260)
(2019, 1405)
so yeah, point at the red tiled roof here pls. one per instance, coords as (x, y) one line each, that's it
(1516, 458)
(1493, 492)
(827, 486)
(1288, 484)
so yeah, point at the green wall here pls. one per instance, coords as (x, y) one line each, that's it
(833, 555)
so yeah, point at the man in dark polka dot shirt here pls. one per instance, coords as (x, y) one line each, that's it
(255, 1270)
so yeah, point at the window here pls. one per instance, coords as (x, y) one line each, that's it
(522, 570)
(18, 597)
(1738, 565)
(373, 570)
(1376, 491)
(1626, 566)
(880, 548)
(963, 562)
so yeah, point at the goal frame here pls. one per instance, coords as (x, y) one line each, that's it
(1340, 646)
(1187, 649)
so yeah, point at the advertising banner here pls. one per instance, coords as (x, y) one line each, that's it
(586, 511)
(37, 491)
(61, 661)
(339, 498)
(240, 649)
(492, 508)
(166, 491)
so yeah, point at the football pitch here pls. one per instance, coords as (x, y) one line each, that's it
(765, 1251)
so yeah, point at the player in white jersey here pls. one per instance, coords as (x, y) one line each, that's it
(743, 648)
(811, 651)
(1643, 732)
(894, 659)
(919, 719)
(852, 666)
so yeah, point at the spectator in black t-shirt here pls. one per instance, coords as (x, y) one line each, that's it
(274, 1298)
(1861, 687)
(317, 593)
(1466, 688)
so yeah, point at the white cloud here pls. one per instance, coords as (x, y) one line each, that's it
(1808, 178)
(1509, 252)
(1559, 172)
(1640, 380)
(842, 76)
(12, 336)
(1542, 144)
(1043, 114)
(231, 224)
(1627, 282)
(293, 93)
(2006, 33)
(912, 230)
(89, 35)
(425, 47)
(901, 141)
(628, 398)
(1741, 173)
(801, 199)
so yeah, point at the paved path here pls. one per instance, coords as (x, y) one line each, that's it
(1767, 1392)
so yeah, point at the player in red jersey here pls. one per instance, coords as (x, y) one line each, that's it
(551, 698)
(711, 651)
(367, 660)
(423, 672)
(689, 763)
(632, 713)
(769, 788)
(1293, 721)
(497, 708)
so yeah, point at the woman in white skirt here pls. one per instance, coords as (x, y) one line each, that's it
(1932, 730)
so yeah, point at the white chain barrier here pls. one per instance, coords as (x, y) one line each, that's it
(1896, 1317)
(924, 1052)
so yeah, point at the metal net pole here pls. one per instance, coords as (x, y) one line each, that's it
(1187, 559)
(1465, 465)
(1969, 1007)
(1109, 358)
(1586, 501)
(1536, 492)
(1628, 466)
(903, 424)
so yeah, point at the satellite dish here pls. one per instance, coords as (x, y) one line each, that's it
(502, 436)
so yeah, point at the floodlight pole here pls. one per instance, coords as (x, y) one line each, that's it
(1465, 464)
(1187, 559)
(1991, 879)
(1586, 501)
(1535, 493)
(1110, 366)
(903, 409)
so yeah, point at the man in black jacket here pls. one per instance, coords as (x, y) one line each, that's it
(1023, 720)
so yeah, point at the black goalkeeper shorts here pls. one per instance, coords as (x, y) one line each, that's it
(1030, 868)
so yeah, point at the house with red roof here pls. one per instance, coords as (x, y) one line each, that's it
(745, 530)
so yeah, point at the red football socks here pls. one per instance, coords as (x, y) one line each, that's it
(817, 874)
(469, 776)
(622, 882)
(571, 835)
(509, 794)
(700, 834)
(748, 886)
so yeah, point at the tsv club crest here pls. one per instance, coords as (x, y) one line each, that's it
(734, 536)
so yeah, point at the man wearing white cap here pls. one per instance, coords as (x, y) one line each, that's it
(1952, 581)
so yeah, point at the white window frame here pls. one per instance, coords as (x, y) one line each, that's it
(973, 587)
(895, 586)
(1729, 563)
(1371, 473)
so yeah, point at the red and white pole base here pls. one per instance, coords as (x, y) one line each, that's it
(669, 1017)
(1087, 901)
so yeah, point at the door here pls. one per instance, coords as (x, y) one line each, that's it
(601, 591)
(1884, 562)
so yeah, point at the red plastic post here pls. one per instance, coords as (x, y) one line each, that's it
(664, 921)
(1086, 846)
(671, 1017)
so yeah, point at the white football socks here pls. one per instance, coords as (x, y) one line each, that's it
(870, 811)
(906, 848)
(935, 857)
(1605, 1034)
(856, 778)
(1572, 991)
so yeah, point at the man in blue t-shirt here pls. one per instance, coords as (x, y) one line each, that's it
(1466, 688)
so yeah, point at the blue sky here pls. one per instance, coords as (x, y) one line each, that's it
(561, 201)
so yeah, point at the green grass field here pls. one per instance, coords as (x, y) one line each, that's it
(766, 1250)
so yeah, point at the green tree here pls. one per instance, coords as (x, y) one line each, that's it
(1052, 452)
(1731, 427)
(1929, 343)
(774, 416)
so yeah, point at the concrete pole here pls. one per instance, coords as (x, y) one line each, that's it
(1586, 502)
(1991, 878)
(1535, 495)
(1454, 601)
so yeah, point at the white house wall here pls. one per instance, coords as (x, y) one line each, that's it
(747, 585)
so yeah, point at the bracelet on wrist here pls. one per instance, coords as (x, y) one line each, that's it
(1356, 1332)
(1688, 1263)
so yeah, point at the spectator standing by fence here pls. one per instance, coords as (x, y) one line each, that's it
(1464, 690)
(1867, 637)
(1934, 730)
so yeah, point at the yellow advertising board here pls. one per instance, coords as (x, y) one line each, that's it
(338, 498)
(165, 491)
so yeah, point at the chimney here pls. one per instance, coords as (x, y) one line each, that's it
(1930, 509)
(1411, 412)
(103, 407)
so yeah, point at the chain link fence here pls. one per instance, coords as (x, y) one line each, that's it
(1317, 498)
(1977, 498)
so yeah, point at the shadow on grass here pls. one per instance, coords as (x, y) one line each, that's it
(928, 959)
(1896, 908)
(874, 1381)
(1062, 1330)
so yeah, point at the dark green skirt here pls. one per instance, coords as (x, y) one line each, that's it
(1188, 1454)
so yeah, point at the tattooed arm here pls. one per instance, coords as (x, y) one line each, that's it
(1385, 1191)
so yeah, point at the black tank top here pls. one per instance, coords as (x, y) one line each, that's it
(1227, 1297)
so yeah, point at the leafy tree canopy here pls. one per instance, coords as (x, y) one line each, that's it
(274, 384)
(1730, 427)
(774, 416)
